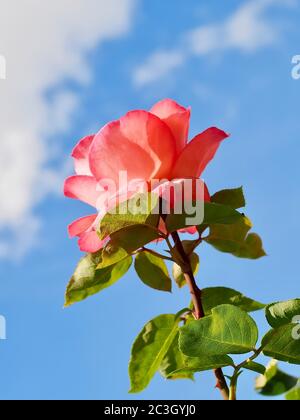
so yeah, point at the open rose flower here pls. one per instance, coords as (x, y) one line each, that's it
(147, 145)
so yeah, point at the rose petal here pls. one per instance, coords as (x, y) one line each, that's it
(198, 153)
(80, 226)
(90, 242)
(177, 119)
(191, 231)
(179, 190)
(83, 188)
(81, 156)
(139, 143)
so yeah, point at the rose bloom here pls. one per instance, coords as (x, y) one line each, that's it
(147, 145)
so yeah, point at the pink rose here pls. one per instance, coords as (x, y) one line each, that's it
(147, 145)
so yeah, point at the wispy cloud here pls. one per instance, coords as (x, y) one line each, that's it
(158, 65)
(246, 30)
(44, 43)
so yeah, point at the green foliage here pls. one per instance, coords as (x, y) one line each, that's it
(255, 367)
(280, 344)
(153, 272)
(294, 394)
(142, 209)
(88, 280)
(282, 313)
(235, 239)
(216, 296)
(178, 273)
(274, 382)
(191, 365)
(157, 349)
(229, 330)
(111, 255)
(126, 242)
(150, 349)
(232, 197)
(213, 214)
(283, 343)
(171, 366)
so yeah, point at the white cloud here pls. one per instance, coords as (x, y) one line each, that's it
(246, 30)
(44, 43)
(158, 65)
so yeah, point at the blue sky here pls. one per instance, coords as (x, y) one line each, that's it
(231, 61)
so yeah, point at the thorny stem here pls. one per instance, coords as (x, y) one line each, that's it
(190, 279)
(198, 306)
(222, 384)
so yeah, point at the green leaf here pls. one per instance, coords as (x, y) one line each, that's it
(171, 366)
(294, 394)
(274, 382)
(283, 313)
(233, 197)
(88, 280)
(191, 365)
(219, 214)
(133, 238)
(111, 255)
(153, 272)
(125, 242)
(235, 239)
(142, 209)
(281, 344)
(213, 214)
(178, 274)
(229, 330)
(149, 350)
(255, 367)
(216, 296)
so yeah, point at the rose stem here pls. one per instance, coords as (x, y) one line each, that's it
(198, 306)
